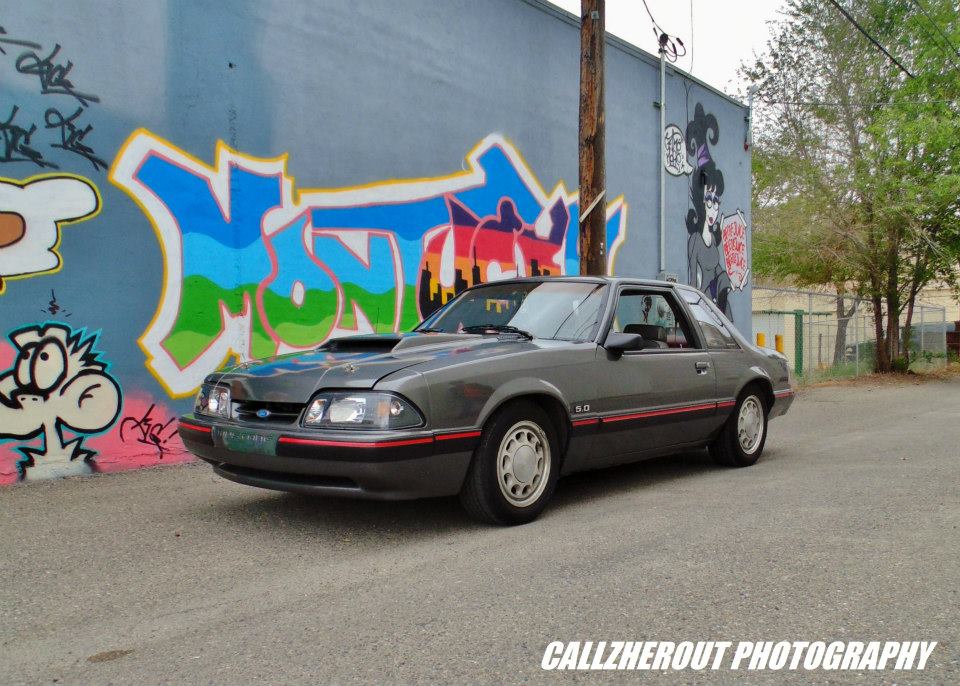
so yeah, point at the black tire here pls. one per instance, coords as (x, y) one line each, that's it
(482, 496)
(726, 449)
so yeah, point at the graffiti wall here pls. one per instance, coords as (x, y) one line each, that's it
(717, 257)
(256, 267)
(209, 200)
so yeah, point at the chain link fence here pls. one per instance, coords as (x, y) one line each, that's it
(825, 335)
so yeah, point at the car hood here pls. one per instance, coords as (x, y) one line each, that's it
(356, 362)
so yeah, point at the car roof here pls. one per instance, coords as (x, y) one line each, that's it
(612, 280)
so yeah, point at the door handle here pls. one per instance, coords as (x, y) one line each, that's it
(702, 367)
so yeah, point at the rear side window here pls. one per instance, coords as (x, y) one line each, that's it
(715, 333)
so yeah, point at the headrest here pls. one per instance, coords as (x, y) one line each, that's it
(650, 332)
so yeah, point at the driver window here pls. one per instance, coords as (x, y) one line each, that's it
(653, 316)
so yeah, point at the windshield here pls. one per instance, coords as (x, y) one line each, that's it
(562, 310)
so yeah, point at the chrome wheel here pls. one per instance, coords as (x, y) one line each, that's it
(750, 424)
(523, 464)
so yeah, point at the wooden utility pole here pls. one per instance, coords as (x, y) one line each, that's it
(593, 215)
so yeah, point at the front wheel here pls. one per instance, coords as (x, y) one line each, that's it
(741, 440)
(514, 470)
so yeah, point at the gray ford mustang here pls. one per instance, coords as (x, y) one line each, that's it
(495, 395)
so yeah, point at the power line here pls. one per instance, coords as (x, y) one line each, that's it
(869, 37)
(951, 48)
(937, 27)
(668, 44)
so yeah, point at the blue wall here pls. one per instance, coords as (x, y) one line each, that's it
(182, 183)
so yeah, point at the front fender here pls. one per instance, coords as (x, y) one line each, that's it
(516, 388)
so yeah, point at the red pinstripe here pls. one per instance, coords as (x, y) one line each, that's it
(465, 434)
(585, 422)
(196, 427)
(659, 413)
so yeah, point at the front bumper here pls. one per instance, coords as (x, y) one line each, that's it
(384, 466)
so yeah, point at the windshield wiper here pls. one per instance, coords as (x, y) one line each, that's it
(499, 328)
(429, 329)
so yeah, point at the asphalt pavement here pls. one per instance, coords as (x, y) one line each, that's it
(847, 530)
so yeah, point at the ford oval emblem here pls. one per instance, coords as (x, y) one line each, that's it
(263, 414)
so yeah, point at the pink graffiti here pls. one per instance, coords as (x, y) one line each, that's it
(144, 437)
(7, 355)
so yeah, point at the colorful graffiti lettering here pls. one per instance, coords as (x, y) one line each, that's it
(496, 247)
(253, 268)
(713, 265)
(57, 390)
(32, 214)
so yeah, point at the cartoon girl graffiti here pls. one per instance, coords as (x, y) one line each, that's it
(704, 246)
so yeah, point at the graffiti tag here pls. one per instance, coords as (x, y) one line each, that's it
(15, 142)
(57, 384)
(674, 151)
(53, 307)
(71, 135)
(32, 214)
(147, 430)
(53, 75)
(253, 269)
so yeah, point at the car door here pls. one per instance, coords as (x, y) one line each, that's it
(663, 395)
(726, 355)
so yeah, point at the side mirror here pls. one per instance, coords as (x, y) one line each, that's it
(622, 342)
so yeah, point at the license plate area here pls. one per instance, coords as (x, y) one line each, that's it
(246, 441)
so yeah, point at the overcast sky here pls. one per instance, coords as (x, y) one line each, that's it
(724, 32)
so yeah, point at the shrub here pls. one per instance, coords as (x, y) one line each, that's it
(900, 365)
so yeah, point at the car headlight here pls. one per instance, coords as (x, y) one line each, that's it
(213, 401)
(347, 410)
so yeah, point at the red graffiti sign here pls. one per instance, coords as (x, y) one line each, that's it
(734, 231)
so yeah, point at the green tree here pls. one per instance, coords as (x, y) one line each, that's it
(857, 164)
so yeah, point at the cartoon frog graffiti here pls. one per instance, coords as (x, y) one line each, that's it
(57, 384)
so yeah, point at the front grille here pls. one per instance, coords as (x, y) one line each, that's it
(276, 413)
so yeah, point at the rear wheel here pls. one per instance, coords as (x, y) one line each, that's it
(742, 438)
(514, 470)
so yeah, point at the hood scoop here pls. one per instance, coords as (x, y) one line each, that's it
(373, 343)
(385, 343)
